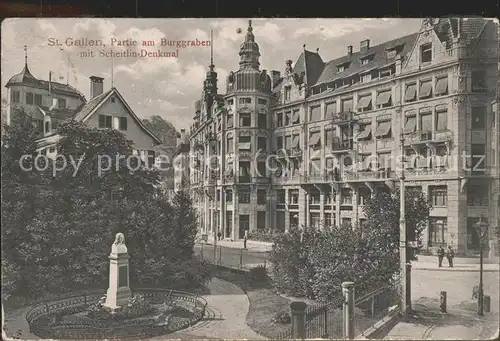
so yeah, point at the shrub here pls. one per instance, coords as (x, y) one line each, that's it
(258, 274)
(282, 317)
(263, 235)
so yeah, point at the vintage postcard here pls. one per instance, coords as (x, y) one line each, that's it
(250, 179)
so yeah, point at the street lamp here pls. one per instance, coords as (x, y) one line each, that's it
(481, 228)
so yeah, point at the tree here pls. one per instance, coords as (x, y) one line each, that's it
(59, 226)
(163, 129)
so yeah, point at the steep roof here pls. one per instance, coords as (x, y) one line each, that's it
(25, 77)
(311, 64)
(88, 109)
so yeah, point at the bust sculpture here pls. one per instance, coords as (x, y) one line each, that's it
(119, 244)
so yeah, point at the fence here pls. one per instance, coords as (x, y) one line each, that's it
(324, 320)
(235, 258)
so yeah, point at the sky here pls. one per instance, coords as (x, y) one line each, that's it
(169, 86)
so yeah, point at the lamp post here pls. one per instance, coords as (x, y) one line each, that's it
(481, 228)
(402, 237)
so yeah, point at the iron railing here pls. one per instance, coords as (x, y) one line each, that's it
(229, 257)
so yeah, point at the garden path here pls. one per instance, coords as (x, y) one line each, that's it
(226, 315)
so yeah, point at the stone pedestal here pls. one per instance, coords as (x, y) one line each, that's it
(119, 291)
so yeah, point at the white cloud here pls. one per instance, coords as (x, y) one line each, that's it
(47, 26)
(328, 29)
(268, 32)
(185, 80)
(94, 28)
(196, 34)
(148, 65)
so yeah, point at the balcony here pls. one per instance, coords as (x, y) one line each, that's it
(287, 178)
(244, 179)
(316, 178)
(422, 137)
(339, 146)
(261, 180)
(377, 175)
(344, 117)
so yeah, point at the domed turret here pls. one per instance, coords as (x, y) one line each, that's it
(249, 50)
(24, 76)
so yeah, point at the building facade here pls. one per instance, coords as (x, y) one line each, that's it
(335, 131)
(181, 162)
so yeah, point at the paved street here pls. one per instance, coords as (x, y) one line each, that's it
(231, 256)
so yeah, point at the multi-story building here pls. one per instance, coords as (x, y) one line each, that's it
(337, 129)
(49, 103)
(181, 162)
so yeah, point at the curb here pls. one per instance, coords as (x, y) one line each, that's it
(382, 327)
(454, 270)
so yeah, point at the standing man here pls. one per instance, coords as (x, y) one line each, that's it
(440, 254)
(450, 255)
(245, 241)
(219, 235)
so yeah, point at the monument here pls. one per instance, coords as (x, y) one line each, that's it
(119, 291)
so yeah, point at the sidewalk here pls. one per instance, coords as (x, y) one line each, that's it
(252, 245)
(459, 323)
(419, 265)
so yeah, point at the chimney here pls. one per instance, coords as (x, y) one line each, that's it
(364, 46)
(349, 50)
(183, 135)
(96, 86)
(275, 78)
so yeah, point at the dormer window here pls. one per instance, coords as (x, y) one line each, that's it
(426, 53)
(288, 90)
(340, 68)
(112, 100)
(391, 54)
(230, 102)
(62, 103)
(365, 60)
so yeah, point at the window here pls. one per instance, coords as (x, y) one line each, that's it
(315, 167)
(331, 110)
(315, 114)
(296, 142)
(262, 101)
(441, 120)
(478, 81)
(384, 161)
(29, 98)
(229, 195)
(315, 140)
(245, 100)
(261, 142)
(315, 220)
(426, 122)
(16, 96)
(261, 220)
(288, 117)
(244, 195)
(365, 103)
(112, 100)
(245, 120)
(438, 231)
(329, 138)
(478, 156)
(296, 117)
(438, 195)
(441, 86)
(328, 219)
(279, 142)
(383, 129)
(150, 158)
(385, 73)
(230, 101)
(364, 195)
(245, 143)
(38, 99)
(410, 124)
(230, 121)
(365, 61)
(426, 53)
(346, 195)
(279, 119)
(340, 68)
(347, 105)
(288, 90)
(346, 222)
(105, 121)
(288, 142)
(425, 89)
(61, 103)
(293, 197)
(384, 99)
(261, 169)
(262, 123)
(229, 146)
(478, 118)
(315, 197)
(477, 194)
(52, 149)
(411, 93)
(261, 197)
(122, 123)
(365, 78)
(365, 132)
(391, 54)
(47, 127)
(280, 196)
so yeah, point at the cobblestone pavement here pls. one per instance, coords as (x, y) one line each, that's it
(226, 318)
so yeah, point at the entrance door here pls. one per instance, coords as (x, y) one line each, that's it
(244, 225)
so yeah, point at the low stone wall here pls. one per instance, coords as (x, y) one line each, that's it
(89, 329)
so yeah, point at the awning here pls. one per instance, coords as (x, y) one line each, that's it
(295, 141)
(244, 145)
(383, 98)
(425, 89)
(383, 129)
(364, 102)
(442, 86)
(230, 121)
(422, 162)
(295, 117)
(411, 93)
(365, 133)
(410, 125)
(314, 140)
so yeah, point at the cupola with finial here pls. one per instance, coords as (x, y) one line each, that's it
(210, 83)
(249, 50)
(25, 75)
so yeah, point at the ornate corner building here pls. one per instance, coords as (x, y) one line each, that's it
(306, 148)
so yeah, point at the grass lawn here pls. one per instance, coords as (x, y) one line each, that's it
(264, 303)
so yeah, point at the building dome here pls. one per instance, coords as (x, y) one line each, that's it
(23, 77)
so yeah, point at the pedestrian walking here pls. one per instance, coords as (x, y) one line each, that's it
(450, 254)
(440, 254)
(219, 235)
(245, 241)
